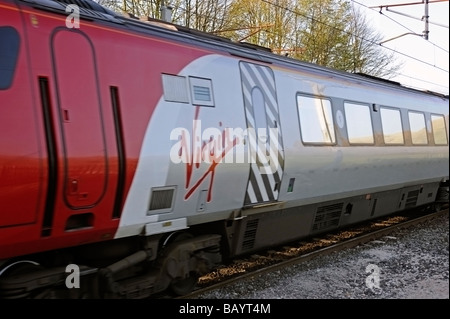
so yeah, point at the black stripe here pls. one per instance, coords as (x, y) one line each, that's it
(267, 187)
(51, 153)
(120, 151)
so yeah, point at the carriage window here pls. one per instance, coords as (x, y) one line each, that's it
(316, 120)
(359, 123)
(439, 131)
(391, 123)
(9, 51)
(418, 128)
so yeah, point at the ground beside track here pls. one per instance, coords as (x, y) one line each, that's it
(411, 263)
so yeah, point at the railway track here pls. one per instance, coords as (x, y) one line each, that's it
(301, 251)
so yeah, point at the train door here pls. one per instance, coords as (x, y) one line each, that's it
(263, 134)
(81, 120)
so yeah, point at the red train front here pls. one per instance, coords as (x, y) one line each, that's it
(68, 150)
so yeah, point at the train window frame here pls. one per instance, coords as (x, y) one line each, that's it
(423, 127)
(328, 133)
(399, 129)
(353, 123)
(9, 55)
(434, 128)
(201, 88)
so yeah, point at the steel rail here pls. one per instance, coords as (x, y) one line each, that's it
(345, 244)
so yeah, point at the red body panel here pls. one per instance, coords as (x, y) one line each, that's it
(52, 173)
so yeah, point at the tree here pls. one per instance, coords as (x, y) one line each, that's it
(367, 56)
(203, 15)
(137, 8)
(333, 33)
(260, 22)
(321, 30)
(330, 33)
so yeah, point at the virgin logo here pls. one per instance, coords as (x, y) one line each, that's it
(213, 145)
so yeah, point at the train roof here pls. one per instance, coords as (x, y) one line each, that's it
(93, 11)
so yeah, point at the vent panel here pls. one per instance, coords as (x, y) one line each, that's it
(161, 199)
(175, 88)
(250, 234)
(327, 217)
(411, 199)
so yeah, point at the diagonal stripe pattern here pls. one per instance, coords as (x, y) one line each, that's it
(267, 158)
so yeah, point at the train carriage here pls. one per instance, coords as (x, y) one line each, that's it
(145, 153)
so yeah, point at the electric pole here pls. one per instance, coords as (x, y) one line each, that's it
(425, 17)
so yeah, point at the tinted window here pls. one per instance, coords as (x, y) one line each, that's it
(9, 50)
(316, 120)
(418, 128)
(359, 123)
(392, 126)
(439, 131)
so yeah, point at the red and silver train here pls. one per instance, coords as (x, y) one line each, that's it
(137, 155)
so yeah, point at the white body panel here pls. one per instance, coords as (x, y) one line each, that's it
(156, 169)
(320, 172)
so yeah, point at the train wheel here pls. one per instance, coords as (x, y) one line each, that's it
(183, 286)
(17, 269)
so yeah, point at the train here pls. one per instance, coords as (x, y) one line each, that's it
(137, 155)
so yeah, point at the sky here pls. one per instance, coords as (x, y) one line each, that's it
(425, 62)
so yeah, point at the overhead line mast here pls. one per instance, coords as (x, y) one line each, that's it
(425, 16)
